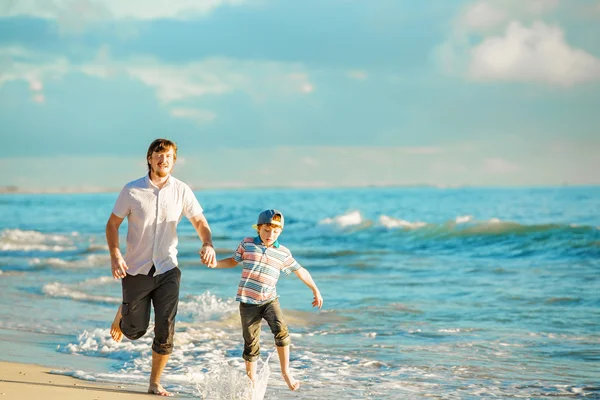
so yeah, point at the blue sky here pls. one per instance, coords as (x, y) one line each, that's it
(311, 93)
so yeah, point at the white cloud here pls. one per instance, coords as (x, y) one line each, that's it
(505, 40)
(499, 166)
(483, 15)
(536, 54)
(310, 161)
(200, 117)
(262, 80)
(571, 161)
(421, 150)
(36, 85)
(358, 75)
(112, 9)
(76, 16)
(39, 98)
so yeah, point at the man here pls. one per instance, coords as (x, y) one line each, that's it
(153, 206)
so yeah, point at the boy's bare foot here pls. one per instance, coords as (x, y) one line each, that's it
(115, 329)
(156, 388)
(291, 382)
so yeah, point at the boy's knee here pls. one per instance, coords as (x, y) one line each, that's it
(282, 336)
(282, 341)
(250, 357)
(280, 333)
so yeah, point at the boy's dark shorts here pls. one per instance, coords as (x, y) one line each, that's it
(252, 316)
(139, 292)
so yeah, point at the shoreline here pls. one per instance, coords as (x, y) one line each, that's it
(32, 382)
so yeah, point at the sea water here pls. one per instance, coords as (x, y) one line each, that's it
(450, 293)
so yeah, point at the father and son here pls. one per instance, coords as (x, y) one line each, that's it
(149, 273)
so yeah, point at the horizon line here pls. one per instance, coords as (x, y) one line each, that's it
(13, 189)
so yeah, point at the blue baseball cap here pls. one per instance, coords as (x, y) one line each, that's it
(266, 217)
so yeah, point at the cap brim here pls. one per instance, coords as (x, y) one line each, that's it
(255, 226)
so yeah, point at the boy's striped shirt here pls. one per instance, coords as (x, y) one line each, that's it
(261, 268)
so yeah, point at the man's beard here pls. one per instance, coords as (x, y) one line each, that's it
(160, 172)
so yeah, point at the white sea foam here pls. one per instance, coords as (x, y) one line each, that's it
(81, 291)
(462, 219)
(205, 306)
(92, 260)
(350, 219)
(390, 222)
(19, 240)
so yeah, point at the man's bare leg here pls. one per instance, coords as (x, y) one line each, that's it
(284, 361)
(251, 371)
(115, 328)
(158, 365)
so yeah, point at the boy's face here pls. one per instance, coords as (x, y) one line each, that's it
(269, 233)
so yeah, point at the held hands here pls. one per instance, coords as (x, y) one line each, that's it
(208, 255)
(118, 267)
(317, 300)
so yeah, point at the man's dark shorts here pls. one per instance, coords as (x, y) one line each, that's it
(138, 293)
(252, 316)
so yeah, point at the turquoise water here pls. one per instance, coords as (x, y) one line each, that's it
(444, 293)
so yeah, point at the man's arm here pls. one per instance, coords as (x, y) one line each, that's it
(305, 277)
(225, 263)
(117, 262)
(207, 253)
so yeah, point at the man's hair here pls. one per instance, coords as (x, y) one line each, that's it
(159, 146)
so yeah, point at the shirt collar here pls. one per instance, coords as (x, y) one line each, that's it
(259, 242)
(151, 184)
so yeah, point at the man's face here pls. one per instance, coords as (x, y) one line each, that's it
(161, 164)
(269, 233)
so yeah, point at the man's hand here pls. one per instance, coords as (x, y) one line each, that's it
(208, 255)
(118, 267)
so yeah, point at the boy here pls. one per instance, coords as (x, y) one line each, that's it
(263, 259)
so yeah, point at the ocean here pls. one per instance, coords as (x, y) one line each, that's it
(447, 293)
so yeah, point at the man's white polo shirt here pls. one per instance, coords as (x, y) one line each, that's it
(152, 217)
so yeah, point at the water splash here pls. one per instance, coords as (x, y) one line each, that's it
(223, 381)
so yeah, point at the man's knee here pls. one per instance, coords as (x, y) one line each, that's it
(164, 330)
(135, 320)
(164, 348)
(132, 332)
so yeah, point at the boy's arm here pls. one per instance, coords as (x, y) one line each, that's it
(305, 277)
(225, 263)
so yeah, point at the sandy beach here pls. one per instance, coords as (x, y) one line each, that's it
(32, 382)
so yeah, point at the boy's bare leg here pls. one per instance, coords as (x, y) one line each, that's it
(251, 371)
(284, 361)
(115, 328)
(158, 365)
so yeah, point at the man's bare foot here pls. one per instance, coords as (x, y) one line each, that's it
(115, 328)
(291, 382)
(156, 388)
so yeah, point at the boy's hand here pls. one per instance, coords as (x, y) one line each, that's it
(208, 255)
(317, 300)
